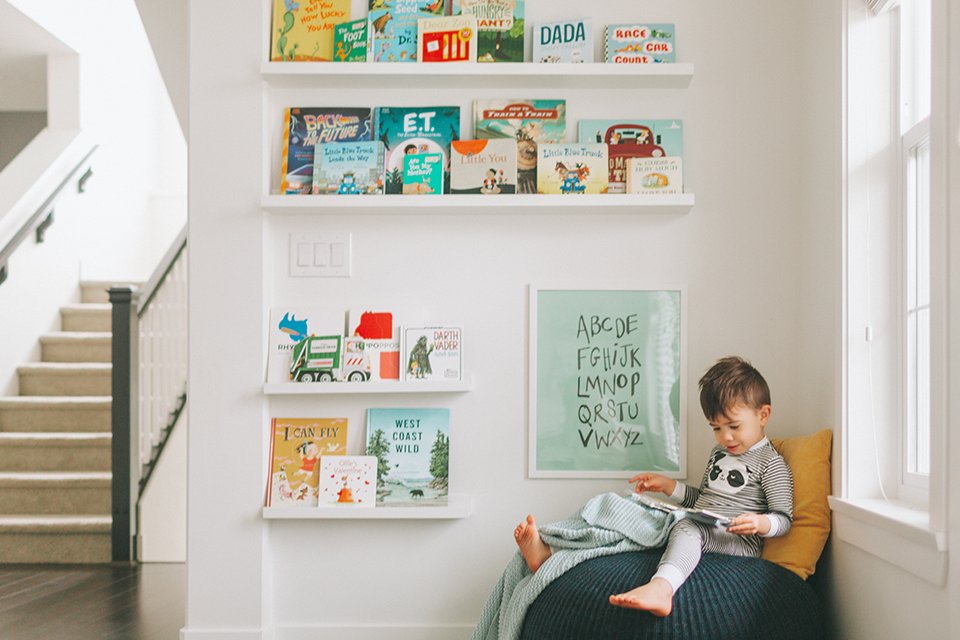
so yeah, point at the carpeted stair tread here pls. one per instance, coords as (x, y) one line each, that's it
(55, 524)
(65, 368)
(52, 438)
(42, 479)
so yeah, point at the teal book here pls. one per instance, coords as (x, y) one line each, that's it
(627, 138)
(393, 26)
(423, 174)
(640, 43)
(500, 28)
(412, 447)
(564, 41)
(348, 168)
(406, 130)
(351, 41)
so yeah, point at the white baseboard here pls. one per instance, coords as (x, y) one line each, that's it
(226, 634)
(376, 632)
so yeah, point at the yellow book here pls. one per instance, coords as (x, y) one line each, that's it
(296, 446)
(302, 30)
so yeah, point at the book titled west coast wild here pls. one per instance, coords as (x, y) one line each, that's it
(296, 447)
(412, 447)
(487, 167)
(447, 39)
(572, 168)
(348, 168)
(348, 481)
(500, 27)
(432, 353)
(302, 30)
(408, 130)
(306, 127)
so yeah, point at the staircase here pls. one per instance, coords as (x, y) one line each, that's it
(55, 491)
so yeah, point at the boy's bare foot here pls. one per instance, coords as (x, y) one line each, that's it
(533, 549)
(656, 597)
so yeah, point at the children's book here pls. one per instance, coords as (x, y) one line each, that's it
(432, 353)
(393, 26)
(704, 516)
(659, 176)
(291, 324)
(639, 43)
(572, 168)
(405, 130)
(381, 338)
(412, 447)
(296, 445)
(447, 39)
(351, 41)
(302, 30)
(348, 168)
(348, 481)
(564, 41)
(306, 127)
(632, 139)
(483, 166)
(528, 122)
(423, 174)
(500, 25)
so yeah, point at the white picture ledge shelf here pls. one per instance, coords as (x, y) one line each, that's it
(458, 506)
(333, 388)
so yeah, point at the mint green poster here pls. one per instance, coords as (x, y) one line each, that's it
(606, 380)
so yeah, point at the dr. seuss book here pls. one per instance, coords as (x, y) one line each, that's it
(412, 447)
(348, 481)
(291, 324)
(303, 29)
(348, 168)
(296, 445)
(306, 127)
(405, 130)
(500, 26)
(632, 139)
(381, 338)
(423, 174)
(393, 26)
(639, 43)
(572, 168)
(565, 41)
(447, 39)
(528, 122)
(351, 41)
(432, 353)
(486, 167)
(661, 176)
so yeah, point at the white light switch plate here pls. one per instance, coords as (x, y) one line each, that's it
(320, 255)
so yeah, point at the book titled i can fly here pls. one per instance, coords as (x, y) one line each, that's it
(412, 447)
(640, 43)
(306, 127)
(406, 130)
(296, 446)
(500, 25)
(302, 30)
(393, 26)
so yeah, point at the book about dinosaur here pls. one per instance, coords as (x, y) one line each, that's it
(348, 482)
(393, 26)
(433, 353)
(447, 39)
(412, 447)
(640, 43)
(351, 41)
(296, 447)
(291, 324)
(563, 41)
(486, 167)
(302, 30)
(306, 127)
(348, 168)
(629, 138)
(408, 130)
(572, 168)
(500, 27)
(655, 176)
(423, 174)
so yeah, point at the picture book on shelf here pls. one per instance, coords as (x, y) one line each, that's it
(662, 176)
(709, 518)
(381, 338)
(351, 41)
(306, 127)
(639, 43)
(572, 168)
(483, 166)
(412, 447)
(564, 41)
(423, 174)
(348, 168)
(348, 481)
(447, 39)
(302, 30)
(296, 446)
(432, 353)
(393, 26)
(291, 324)
(632, 139)
(405, 130)
(528, 122)
(500, 27)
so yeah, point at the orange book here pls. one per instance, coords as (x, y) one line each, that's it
(296, 445)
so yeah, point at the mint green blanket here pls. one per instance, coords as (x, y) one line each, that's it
(607, 524)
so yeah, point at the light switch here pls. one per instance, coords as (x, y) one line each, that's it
(304, 259)
(337, 251)
(320, 255)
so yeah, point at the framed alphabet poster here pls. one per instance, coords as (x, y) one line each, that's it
(607, 382)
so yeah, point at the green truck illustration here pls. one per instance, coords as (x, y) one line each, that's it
(329, 358)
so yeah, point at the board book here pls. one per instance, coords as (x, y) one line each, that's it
(655, 176)
(628, 138)
(381, 339)
(296, 446)
(500, 27)
(704, 516)
(405, 130)
(351, 41)
(302, 30)
(564, 41)
(572, 168)
(348, 481)
(348, 168)
(423, 174)
(291, 324)
(306, 127)
(447, 39)
(412, 447)
(432, 353)
(639, 43)
(486, 167)
(393, 26)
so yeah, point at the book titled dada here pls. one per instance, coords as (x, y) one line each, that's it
(296, 446)
(348, 481)
(565, 41)
(640, 43)
(412, 447)
(432, 353)
(572, 168)
(486, 167)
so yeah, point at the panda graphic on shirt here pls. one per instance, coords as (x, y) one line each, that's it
(728, 474)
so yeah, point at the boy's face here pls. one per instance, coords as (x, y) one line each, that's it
(741, 428)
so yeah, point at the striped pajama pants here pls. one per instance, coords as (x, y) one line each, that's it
(689, 540)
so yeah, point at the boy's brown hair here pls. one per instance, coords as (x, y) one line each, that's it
(730, 382)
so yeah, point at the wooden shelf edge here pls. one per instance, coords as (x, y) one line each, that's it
(497, 70)
(458, 507)
(341, 388)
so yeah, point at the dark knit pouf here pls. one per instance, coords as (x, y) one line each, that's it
(726, 597)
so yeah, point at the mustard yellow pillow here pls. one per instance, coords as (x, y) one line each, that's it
(809, 459)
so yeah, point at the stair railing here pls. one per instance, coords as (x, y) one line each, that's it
(149, 385)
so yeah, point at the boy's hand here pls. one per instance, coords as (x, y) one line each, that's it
(749, 524)
(653, 482)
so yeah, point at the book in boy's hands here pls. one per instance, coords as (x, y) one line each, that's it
(348, 168)
(486, 167)
(655, 176)
(405, 130)
(351, 41)
(296, 446)
(572, 168)
(564, 41)
(348, 481)
(302, 30)
(700, 515)
(306, 127)
(500, 28)
(412, 447)
(447, 39)
(628, 138)
(639, 43)
(423, 174)
(291, 324)
(393, 26)
(432, 353)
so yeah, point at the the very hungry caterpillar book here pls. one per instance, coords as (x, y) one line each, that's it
(296, 445)
(306, 127)
(412, 447)
(405, 130)
(303, 29)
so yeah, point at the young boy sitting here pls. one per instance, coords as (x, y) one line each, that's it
(745, 479)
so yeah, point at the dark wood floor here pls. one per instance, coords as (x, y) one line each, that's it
(92, 602)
